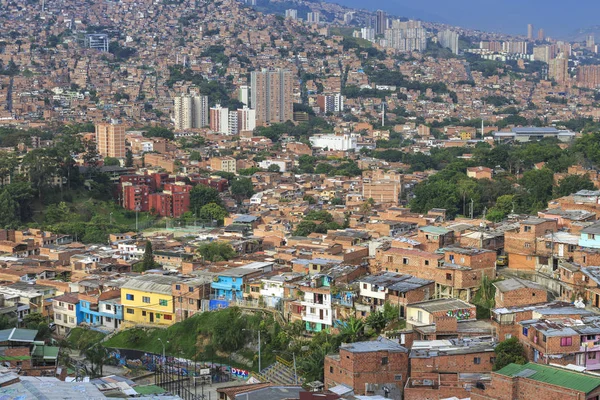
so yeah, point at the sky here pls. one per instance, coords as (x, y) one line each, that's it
(558, 18)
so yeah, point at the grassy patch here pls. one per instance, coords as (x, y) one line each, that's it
(82, 338)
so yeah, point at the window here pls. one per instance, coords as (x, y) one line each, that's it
(590, 338)
(163, 302)
(405, 261)
(543, 338)
(168, 317)
(145, 299)
(448, 277)
(71, 320)
(312, 310)
(426, 262)
(507, 336)
(390, 258)
(143, 313)
(566, 341)
(58, 317)
(330, 369)
(108, 307)
(191, 301)
(191, 289)
(398, 377)
(384, 360)
(179, 299)
(527, 228)
(158, 316)
(548, 245)
(591, 236)
(130, 311)
(527, 245)
(592, 355)
(129, 297)
(70, 307)
(108, 319)
(364, 285)
(476, 360)
(61, 304)
(177, 287)
(525, 331)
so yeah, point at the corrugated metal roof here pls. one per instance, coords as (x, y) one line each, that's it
(554, 376)
(152, 283)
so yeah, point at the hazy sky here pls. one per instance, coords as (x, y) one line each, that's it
(557, 17)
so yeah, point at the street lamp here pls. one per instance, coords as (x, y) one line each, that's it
(163, 346)
(259, 365)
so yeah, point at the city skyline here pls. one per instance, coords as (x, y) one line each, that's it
(558, 19)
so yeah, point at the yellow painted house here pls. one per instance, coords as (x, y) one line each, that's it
(148, 299)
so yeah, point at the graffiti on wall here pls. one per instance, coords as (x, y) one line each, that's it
(460, 314)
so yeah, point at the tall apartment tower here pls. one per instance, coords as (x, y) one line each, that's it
(529, 31)
(190, 111)
(381, 22)
(541, 35)
(590, 41)
(558, 69)
(110, 140)
(313, 17)
(244, 95)
(219, 119)
(246, 119)
(271, 96)
(449, 39)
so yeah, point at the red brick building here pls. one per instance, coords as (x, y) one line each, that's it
(521, 244)
(172, 202)
(135, 197)
(369, 367)
(537, 382)
(519, 292)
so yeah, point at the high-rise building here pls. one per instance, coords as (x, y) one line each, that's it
(529, 31)
(190, 111)
(588, 76)
(367, 34)
(449, 39)
(110, 140)
(515, 47)
(313, 17)
(246, 119)
(219, 119)
(330, 102)
(244, 95)
(381, 22)
(541, 36)
(291, 13)
(271, 96)
(558, 69)
(406, 36)
(590, 41)
(232, 123)
(544, 53)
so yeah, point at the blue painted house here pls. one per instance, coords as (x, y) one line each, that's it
(590, 237)
(102, 311)
(229, 285)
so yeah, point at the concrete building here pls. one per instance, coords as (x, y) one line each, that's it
(219, 119)
(406, 36)
(190, 111)
(244, 95)
(529, 31)
(558, 69)
(313, 17)
(225, 164)
(343, 142)
(271, 96)
(330, 102)
(381, 22)
(110, 140)
(291, 14)
(382, 191)
(448, 39)
(588, 76)
(519, 292)
(246, 119)
(67, 313)
(97, 41)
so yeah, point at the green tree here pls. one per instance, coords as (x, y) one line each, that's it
(305, 228)
(310, 199)
(572, 184)
(201, 195)
(503, 207)
(538, 184)
(377, 321)
(128, 158)
(148, 259)
(353, 330)
(484, 299)
(242, 188)
(274, 168)
(56, 213)
(97, 355)
(507, 352)
(216, 251)
(213, 211)
(9, 217)
(111, 162)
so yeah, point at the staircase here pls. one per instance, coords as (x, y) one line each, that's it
(281, 372)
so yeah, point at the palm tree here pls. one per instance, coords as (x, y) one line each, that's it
(377, 321)
(353, 329)
(97, 355)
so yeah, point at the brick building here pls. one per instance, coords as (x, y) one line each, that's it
(172, 202)
(521, 244)
(519, 292)
(368, 367)
(135, 197)
(535, 382)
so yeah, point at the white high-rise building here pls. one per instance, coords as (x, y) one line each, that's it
(232, 123)
(291, 13)
(368, 34)
(246, 119)
(448, 39)
(348, 17)
(219, 119)
(190, 111)
(406, 36)
(313, 17)
(244, 95)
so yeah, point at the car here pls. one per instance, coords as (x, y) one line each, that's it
(52, 326)
(502, 261)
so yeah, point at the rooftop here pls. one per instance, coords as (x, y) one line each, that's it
(553, 376)
(432, 306)
(515, 283)
(152, 283)
(380, 344)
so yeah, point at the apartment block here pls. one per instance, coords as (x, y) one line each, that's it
(271, 96)
(110, 140)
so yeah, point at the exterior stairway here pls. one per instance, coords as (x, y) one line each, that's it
(281, 372)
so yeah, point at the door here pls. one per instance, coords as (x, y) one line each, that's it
(151, 317)
(320, 314)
